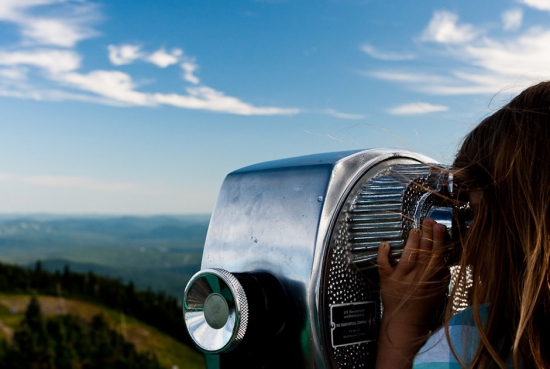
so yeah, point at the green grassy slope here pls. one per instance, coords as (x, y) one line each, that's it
(169, 352)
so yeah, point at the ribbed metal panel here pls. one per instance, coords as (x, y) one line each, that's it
(377, 213)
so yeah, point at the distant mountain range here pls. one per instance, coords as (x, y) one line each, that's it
(160, 252)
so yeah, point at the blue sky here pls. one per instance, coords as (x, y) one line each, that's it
(142, 107)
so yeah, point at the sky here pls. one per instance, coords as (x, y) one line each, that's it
(142, 107)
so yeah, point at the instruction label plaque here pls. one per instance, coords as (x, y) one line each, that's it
(352, 323)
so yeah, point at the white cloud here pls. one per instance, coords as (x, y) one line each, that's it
(481, 65)
(338, 114)
(69, 25)
(407, 77)
(10, 7)
(13, 73)
(33, 93)
(82, 183)
(443, 29)
(384, 55)
(55, 32)
(163, 59)
(6, 177)
(512, 19)
(119, 88)
(128, 53)
(206, 98)
(537, 4)
(417, 108)
(51, 60)
(123, 54)
(465, 84)
(528, 53)
(112, 84)
(189, 68)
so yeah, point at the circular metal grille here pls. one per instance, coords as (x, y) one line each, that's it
(383, 205)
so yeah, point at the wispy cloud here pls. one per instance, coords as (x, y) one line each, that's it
(206, 98)
(6, 177)
(64, 26)
(478, 63)
(443, 28)
(408, 77)
(189, 68)
(85, 183)
(537, 4)
(128, 53)
(13, 73)
(51, 60)
(124, 54)
(48, 43)
(417, 108)
(119, 88)
(512, 19)
(162, 59)
(338, 114)
(385, 55)
(82, 182)
(115, 85)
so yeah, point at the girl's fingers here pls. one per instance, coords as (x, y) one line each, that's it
(384, 267)
(427, 242)
(434, 259)
(439, 232)
(410, 252)
(423, 248)
(427, 234)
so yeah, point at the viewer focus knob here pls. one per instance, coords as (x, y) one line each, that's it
(215, 309)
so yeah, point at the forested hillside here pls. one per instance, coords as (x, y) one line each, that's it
(90, 265)
(160, 252)
(155, 309)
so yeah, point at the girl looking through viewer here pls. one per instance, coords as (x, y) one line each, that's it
(503, 166)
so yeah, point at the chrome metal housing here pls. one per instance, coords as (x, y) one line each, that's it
(283, 218)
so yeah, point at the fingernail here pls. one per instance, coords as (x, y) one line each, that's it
(384, 245)
(440, 228)
(429, 222)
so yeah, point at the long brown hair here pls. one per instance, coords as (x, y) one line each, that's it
(507, 248)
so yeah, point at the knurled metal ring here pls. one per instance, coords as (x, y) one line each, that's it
(213, 338)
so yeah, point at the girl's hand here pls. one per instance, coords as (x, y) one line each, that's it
(411, 293)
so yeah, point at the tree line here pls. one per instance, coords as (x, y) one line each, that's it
(69, 342)
(154, 308)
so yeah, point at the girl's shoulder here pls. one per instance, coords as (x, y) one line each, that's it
(466, 316)
(464, 336)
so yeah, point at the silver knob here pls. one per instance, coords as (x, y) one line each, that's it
(215, 310)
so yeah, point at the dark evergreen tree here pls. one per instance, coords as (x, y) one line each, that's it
(68, 342)
(66, 356)
(32, 347)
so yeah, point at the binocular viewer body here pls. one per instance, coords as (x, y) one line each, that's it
(288, 275)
